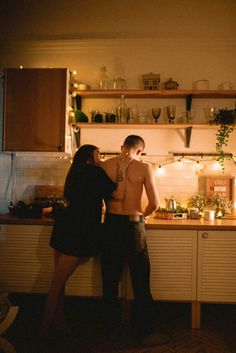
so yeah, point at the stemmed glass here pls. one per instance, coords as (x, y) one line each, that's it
(156, 112)
(212, 111)
(171, 113)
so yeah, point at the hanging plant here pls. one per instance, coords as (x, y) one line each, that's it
(226, 119)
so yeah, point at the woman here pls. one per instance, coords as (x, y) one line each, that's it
(76, 234)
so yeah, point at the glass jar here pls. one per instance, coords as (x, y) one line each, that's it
(98, 117)
(103, 79)
(122, 111)
(119, 83)
(110, 117)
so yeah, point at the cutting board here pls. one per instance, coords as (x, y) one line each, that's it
(170, 215)
(48, 191)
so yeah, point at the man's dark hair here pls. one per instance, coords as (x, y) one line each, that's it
(134, 141)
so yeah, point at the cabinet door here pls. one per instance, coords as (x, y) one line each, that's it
(216, 266)
(26, 263)
(34, 110)
(173, 259)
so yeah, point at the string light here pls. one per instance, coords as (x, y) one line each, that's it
(179, 162)
(191, 160)
(216, 166)
(198, 166)
(159, 170)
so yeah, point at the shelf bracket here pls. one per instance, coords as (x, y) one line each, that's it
(188, 132)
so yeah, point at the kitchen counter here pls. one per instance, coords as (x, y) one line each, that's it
(184, 253)
(9, 219)
(153, 223)
(197, 224)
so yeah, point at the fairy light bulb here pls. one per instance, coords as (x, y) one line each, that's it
(216, 166)
(159, 171)
(179, 163)
(198, 165)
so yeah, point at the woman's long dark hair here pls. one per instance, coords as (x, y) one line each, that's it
(83, 156)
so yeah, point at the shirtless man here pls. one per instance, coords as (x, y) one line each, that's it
(125, 241)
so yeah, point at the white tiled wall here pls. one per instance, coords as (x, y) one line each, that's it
(28, 171)
(181, 181)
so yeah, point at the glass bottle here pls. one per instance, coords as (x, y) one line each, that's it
(103, 79)
(122, 111)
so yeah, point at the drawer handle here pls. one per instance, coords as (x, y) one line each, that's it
(205, 235)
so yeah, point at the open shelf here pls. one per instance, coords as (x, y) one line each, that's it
(156, 94)
(186, 94)
(187, 127)
(144, 126)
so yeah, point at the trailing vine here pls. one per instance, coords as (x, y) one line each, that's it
(226, 119)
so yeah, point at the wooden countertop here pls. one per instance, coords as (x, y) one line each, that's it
(197, 224)
(153, 223)
(9, 219)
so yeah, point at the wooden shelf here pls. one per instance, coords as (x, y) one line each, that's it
(187, 127)
(161, 94)
(156, 94)
(144, 126)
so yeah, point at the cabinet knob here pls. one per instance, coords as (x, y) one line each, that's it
(205, 235)
(60, 148)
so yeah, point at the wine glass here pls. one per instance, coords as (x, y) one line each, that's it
(156, 112)
(211, 112)
(171, 113)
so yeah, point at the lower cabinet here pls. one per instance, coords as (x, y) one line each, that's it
(26, 263)
(186, 265)
(173, 259)
(216, 266)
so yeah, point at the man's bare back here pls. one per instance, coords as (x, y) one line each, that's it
(139, 175)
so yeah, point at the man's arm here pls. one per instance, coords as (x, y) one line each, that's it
(151, 191)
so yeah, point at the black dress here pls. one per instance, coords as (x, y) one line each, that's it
(78, 231)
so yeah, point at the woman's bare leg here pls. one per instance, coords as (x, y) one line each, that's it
(59, 317)
(64, 266)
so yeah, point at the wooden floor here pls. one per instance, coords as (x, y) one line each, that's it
(84, 316)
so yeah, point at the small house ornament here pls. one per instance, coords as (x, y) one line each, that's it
(170, 84)
(151, 81)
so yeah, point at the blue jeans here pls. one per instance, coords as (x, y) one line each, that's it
(125, 242)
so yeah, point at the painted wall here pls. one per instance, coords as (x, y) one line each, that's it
(185, 40)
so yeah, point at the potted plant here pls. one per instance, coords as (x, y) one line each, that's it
(198, 202)
(226, 118)
(220, 206)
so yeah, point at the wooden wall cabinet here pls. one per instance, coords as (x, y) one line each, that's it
(35, 109)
